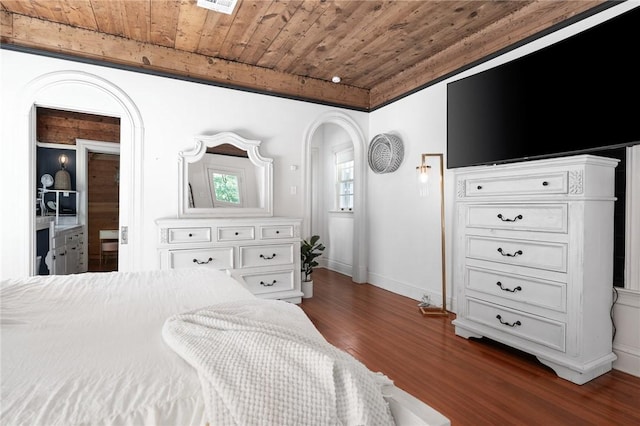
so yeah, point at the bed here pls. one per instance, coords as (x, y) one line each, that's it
(113, 349)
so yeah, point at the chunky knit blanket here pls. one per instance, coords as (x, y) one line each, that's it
(263, 363)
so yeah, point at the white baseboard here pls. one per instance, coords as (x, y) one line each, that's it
(626, 344)
(628, 359)
(405, 289)
(340, 267)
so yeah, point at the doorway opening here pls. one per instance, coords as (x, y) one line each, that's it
(92, 203)
(328, 139)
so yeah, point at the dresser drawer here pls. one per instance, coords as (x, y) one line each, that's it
(189, 235)
(530, 327)
(542, 217)
(269, 282)
(530, 291)
(543, 183)
(533, 254)
(236, 233)
(275, 232)
(266, 255)
(217, 258)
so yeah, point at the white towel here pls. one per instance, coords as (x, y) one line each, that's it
(262, 362)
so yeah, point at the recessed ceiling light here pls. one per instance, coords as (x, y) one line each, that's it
(336, 79)
(224, 6)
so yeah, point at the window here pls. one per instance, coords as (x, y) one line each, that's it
(226, 188)
(344, 180)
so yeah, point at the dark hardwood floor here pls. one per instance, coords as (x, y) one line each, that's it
(472, 382)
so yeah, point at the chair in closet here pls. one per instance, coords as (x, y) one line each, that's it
(108, 244)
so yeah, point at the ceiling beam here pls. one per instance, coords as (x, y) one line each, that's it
(20, 30)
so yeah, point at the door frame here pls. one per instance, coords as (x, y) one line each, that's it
(360, 265)
(80, 91)
(83, 148)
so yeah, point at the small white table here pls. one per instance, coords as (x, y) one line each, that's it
(108, 243)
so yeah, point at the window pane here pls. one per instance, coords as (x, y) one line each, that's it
(226, 188)
(346, 188)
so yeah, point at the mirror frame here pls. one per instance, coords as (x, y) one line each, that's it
(197, 153)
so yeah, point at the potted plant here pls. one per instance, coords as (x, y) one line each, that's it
(309, 251)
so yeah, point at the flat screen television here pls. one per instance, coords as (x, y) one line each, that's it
(579, 95)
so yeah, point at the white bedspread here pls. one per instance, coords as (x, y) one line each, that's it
(262, 362)
(87, 349)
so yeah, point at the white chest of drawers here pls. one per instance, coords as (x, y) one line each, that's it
(533, 260)
(264, 253)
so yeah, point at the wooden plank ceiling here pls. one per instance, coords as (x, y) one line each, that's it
(382, 50)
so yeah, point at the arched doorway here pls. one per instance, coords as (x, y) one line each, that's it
(359, 267)
(84, 92)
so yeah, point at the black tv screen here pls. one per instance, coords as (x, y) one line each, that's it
(578, 95)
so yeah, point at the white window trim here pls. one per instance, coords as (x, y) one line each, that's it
(339, 149)
(239, 173)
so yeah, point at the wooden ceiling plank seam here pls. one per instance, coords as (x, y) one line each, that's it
(271, 24)
(136, 19)
(191, 20)
(75, 42)
(214, 31)
(109, 22)
(6, 26)
(374, 27)
(18, 6)
(471, 14)
(49, 11)
(334, 15)
(401, 56)
(476, 48)
(321, 51)
(163, 22)
(79, 13)
(304, 17)
(244, 28)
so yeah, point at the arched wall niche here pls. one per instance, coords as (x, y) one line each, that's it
(83, 92)
(360, 267)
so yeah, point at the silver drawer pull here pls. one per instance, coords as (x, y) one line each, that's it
(499, 284)
(510, 324)
(268, 257)
(518, 253)
(268, 284)
(506, 219)
(199, 262)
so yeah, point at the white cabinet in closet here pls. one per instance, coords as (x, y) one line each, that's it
(66, 255)
(263, 253)
(533, 260)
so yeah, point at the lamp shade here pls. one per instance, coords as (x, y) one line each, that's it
(62, 180)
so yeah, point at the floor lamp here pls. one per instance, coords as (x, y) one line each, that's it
(423, 176)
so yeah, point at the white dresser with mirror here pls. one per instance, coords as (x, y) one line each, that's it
(225, 218)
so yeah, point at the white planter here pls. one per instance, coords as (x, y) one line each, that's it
(307, 289)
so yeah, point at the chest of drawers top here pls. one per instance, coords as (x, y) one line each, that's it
(577, 177)
(174, 232)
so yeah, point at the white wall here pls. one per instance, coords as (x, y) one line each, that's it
(173, 112)
(404, 228)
